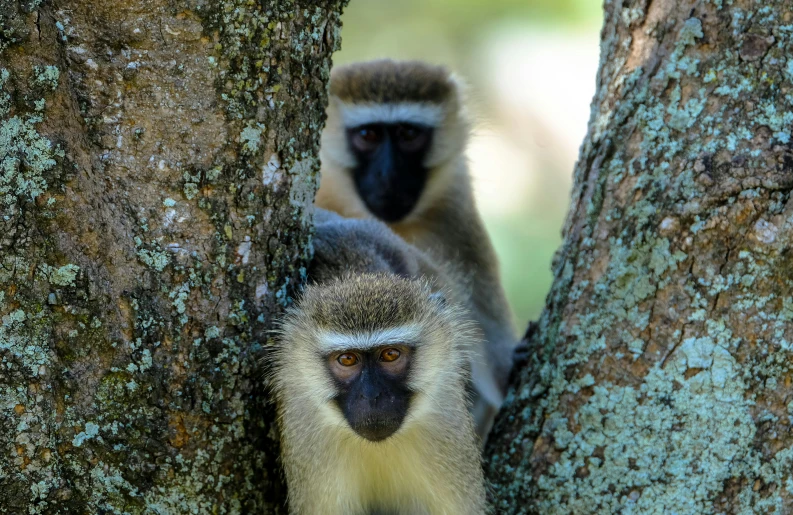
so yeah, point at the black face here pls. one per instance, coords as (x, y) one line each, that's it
(372, 388)
(390, 175)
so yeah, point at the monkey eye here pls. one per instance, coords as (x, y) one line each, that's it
(347, 359)
(389, 355)
(369, 135)
(408, 132)
(412, 138)
(366, 139)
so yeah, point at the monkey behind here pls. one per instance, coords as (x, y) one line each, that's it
(393, 149)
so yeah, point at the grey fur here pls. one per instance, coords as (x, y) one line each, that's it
(445, 225)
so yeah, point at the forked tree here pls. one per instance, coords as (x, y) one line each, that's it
(660, 378)
(157, 165)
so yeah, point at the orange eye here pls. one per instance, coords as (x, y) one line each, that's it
(389, 355)
(347, 359)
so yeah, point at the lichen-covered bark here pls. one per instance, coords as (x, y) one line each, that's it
(157, 164)
(661, 379)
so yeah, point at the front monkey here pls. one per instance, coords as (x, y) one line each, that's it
(393, 149)
(369, 376)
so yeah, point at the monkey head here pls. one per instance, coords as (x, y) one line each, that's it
(392, 128)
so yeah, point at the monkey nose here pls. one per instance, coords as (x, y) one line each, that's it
(372, 400)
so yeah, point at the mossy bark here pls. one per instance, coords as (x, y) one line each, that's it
(157, 167)
(660, 379)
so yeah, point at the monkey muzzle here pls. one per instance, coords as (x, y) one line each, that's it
(389, 179)
(376, 423)
(375, 405)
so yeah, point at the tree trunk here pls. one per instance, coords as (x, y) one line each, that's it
(660, 379)
(157, 163)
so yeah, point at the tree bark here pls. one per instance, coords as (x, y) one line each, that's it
(157, 164)
(660, 379)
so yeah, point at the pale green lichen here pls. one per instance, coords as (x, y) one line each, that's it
(145, 360)
(304, 186)
(91, 431)
(25, 156)
(690, 33)
(213, 174)
(153, 258)
(670, 440)
(5, 97)
(179, 296)
(21, 342)
(642, 446)
(190, 190)
(47, 76)
(250, 137)
(62, 276)
(143, 390)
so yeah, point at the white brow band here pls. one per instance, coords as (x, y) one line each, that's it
(419, 113)
(332, 341)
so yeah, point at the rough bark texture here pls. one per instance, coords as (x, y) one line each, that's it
(661, 380)
(157, 164)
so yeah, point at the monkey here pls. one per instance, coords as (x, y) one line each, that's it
(367, 245)
(369, 377)
(354, 245)
(393, 149)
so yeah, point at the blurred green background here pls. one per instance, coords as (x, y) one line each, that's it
(531, 68)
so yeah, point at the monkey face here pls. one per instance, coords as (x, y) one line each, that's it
(372, 390)
(390, 173)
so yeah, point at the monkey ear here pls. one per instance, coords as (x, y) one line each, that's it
(438, 297)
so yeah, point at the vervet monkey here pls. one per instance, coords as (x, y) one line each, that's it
(350, 245)
(393, 149)
(369, 375)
